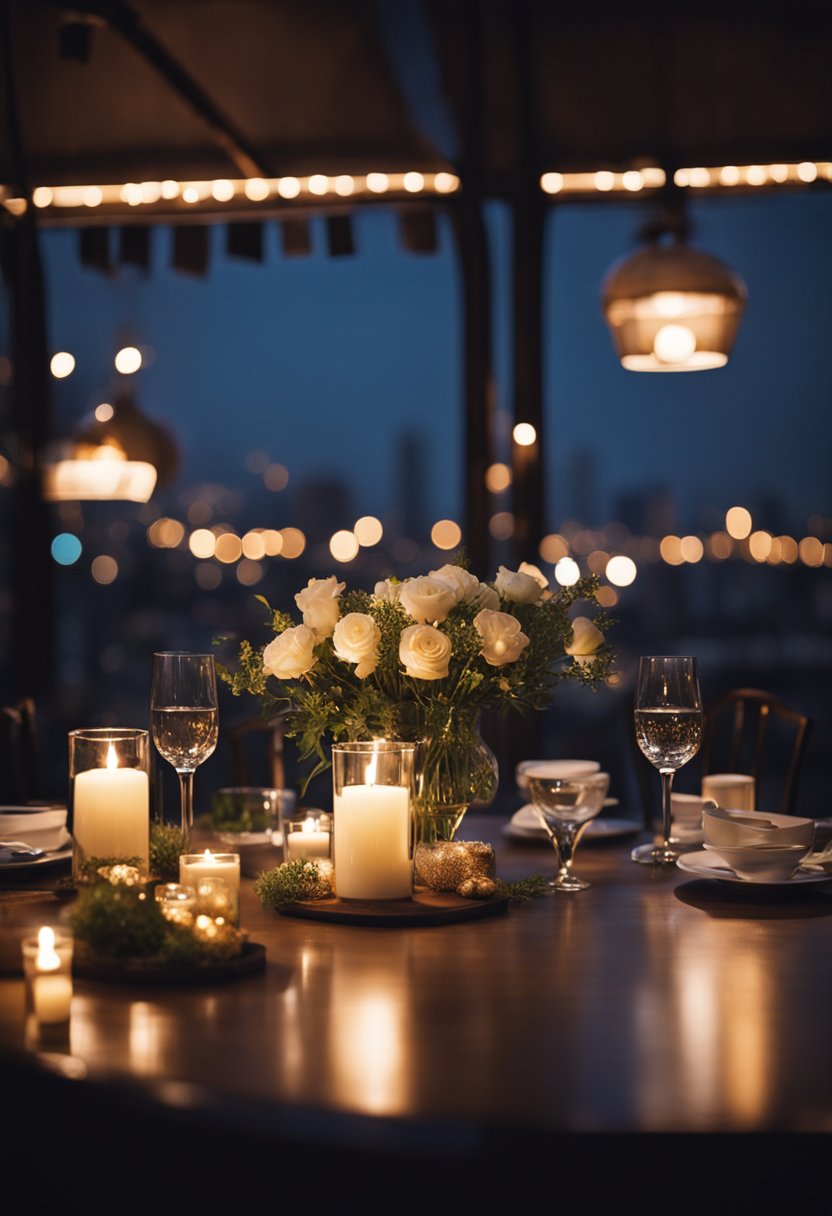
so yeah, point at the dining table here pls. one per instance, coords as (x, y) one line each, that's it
(653, 1028)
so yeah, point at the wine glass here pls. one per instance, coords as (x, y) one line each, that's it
(565, 806)
(183, 717)
(668, 722)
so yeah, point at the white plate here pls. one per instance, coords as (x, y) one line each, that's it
(701, 864)
(21, 863)
(596, 829)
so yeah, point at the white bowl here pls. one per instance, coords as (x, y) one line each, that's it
(554, 768)
(687, 809)
(762, 863)
(42, 829)
(737, 829)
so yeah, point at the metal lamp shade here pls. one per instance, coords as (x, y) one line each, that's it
(671, 308)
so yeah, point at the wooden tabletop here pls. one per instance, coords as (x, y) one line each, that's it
(652, 1002)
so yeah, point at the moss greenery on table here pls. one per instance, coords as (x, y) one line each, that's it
(116, 918)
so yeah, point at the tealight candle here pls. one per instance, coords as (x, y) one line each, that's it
(307, 837)
(176, 903)
(47, 962)
(193, 867)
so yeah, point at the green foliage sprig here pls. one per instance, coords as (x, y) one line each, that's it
(167, 844)
(292, 882)
(523, 889)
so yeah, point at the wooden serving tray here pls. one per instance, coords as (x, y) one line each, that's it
(424, 908)
(251, 960)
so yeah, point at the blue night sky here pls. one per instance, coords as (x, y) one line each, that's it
(324, 363)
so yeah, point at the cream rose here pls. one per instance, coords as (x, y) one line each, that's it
(356, 640)
(518, 587)
(319, 604)
(464, 585)
(586, 638)
(468, 589)
(387, 589)
(425, 652)
(503, 641)
(290, 654)
(534, 572)
(427, 599)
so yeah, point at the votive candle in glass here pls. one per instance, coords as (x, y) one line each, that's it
(194, 867)
(310, 836)
(109, 794)
(373, 788)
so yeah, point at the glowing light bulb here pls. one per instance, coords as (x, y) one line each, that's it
(674, 343)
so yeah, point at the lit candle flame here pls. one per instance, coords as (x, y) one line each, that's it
(208, 857)
(372, 767)
(112, 758)
(47, 959)
(310, 825)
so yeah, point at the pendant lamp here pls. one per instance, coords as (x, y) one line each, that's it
(672, 308)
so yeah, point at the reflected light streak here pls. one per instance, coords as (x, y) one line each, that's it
(368, 1046)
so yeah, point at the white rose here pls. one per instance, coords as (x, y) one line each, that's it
(290, 654)
(486, 597)
(356, 639)
(534, 572)
(425, 652)
(586, 638)
(387, 589)
(319, 604)
(427, 599)
(503, 641)
(465, 585)
(518, 587)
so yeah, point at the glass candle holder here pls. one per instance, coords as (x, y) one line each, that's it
(307, 834)
(197, 869)
(47, 967)
(109, 794)
(177, 903)
(373, 801)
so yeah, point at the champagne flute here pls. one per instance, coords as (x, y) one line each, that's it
(668, 723)
(565, 806)
(183, 717)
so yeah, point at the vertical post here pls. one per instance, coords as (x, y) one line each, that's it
(472, 246)
(32, 626)
(529, 217)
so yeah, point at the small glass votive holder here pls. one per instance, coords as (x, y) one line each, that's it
(47, 968)
(109, 795)
(307, 834)
(177, 903)
(250, 811)
(214, 899)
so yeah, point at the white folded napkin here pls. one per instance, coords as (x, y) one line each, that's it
(42, 829)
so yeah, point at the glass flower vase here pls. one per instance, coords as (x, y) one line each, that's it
(457, 770)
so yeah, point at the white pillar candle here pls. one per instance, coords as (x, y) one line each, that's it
(305, 839)
(111, 811)
(372, 842)
(195, 866)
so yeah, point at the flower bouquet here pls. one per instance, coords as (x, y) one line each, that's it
(419, 660)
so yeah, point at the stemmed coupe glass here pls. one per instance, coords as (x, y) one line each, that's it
(565, 806)
(183, 717)
(668, 722)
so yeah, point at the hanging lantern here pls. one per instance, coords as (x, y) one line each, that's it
(120, 457)
(672, 308)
